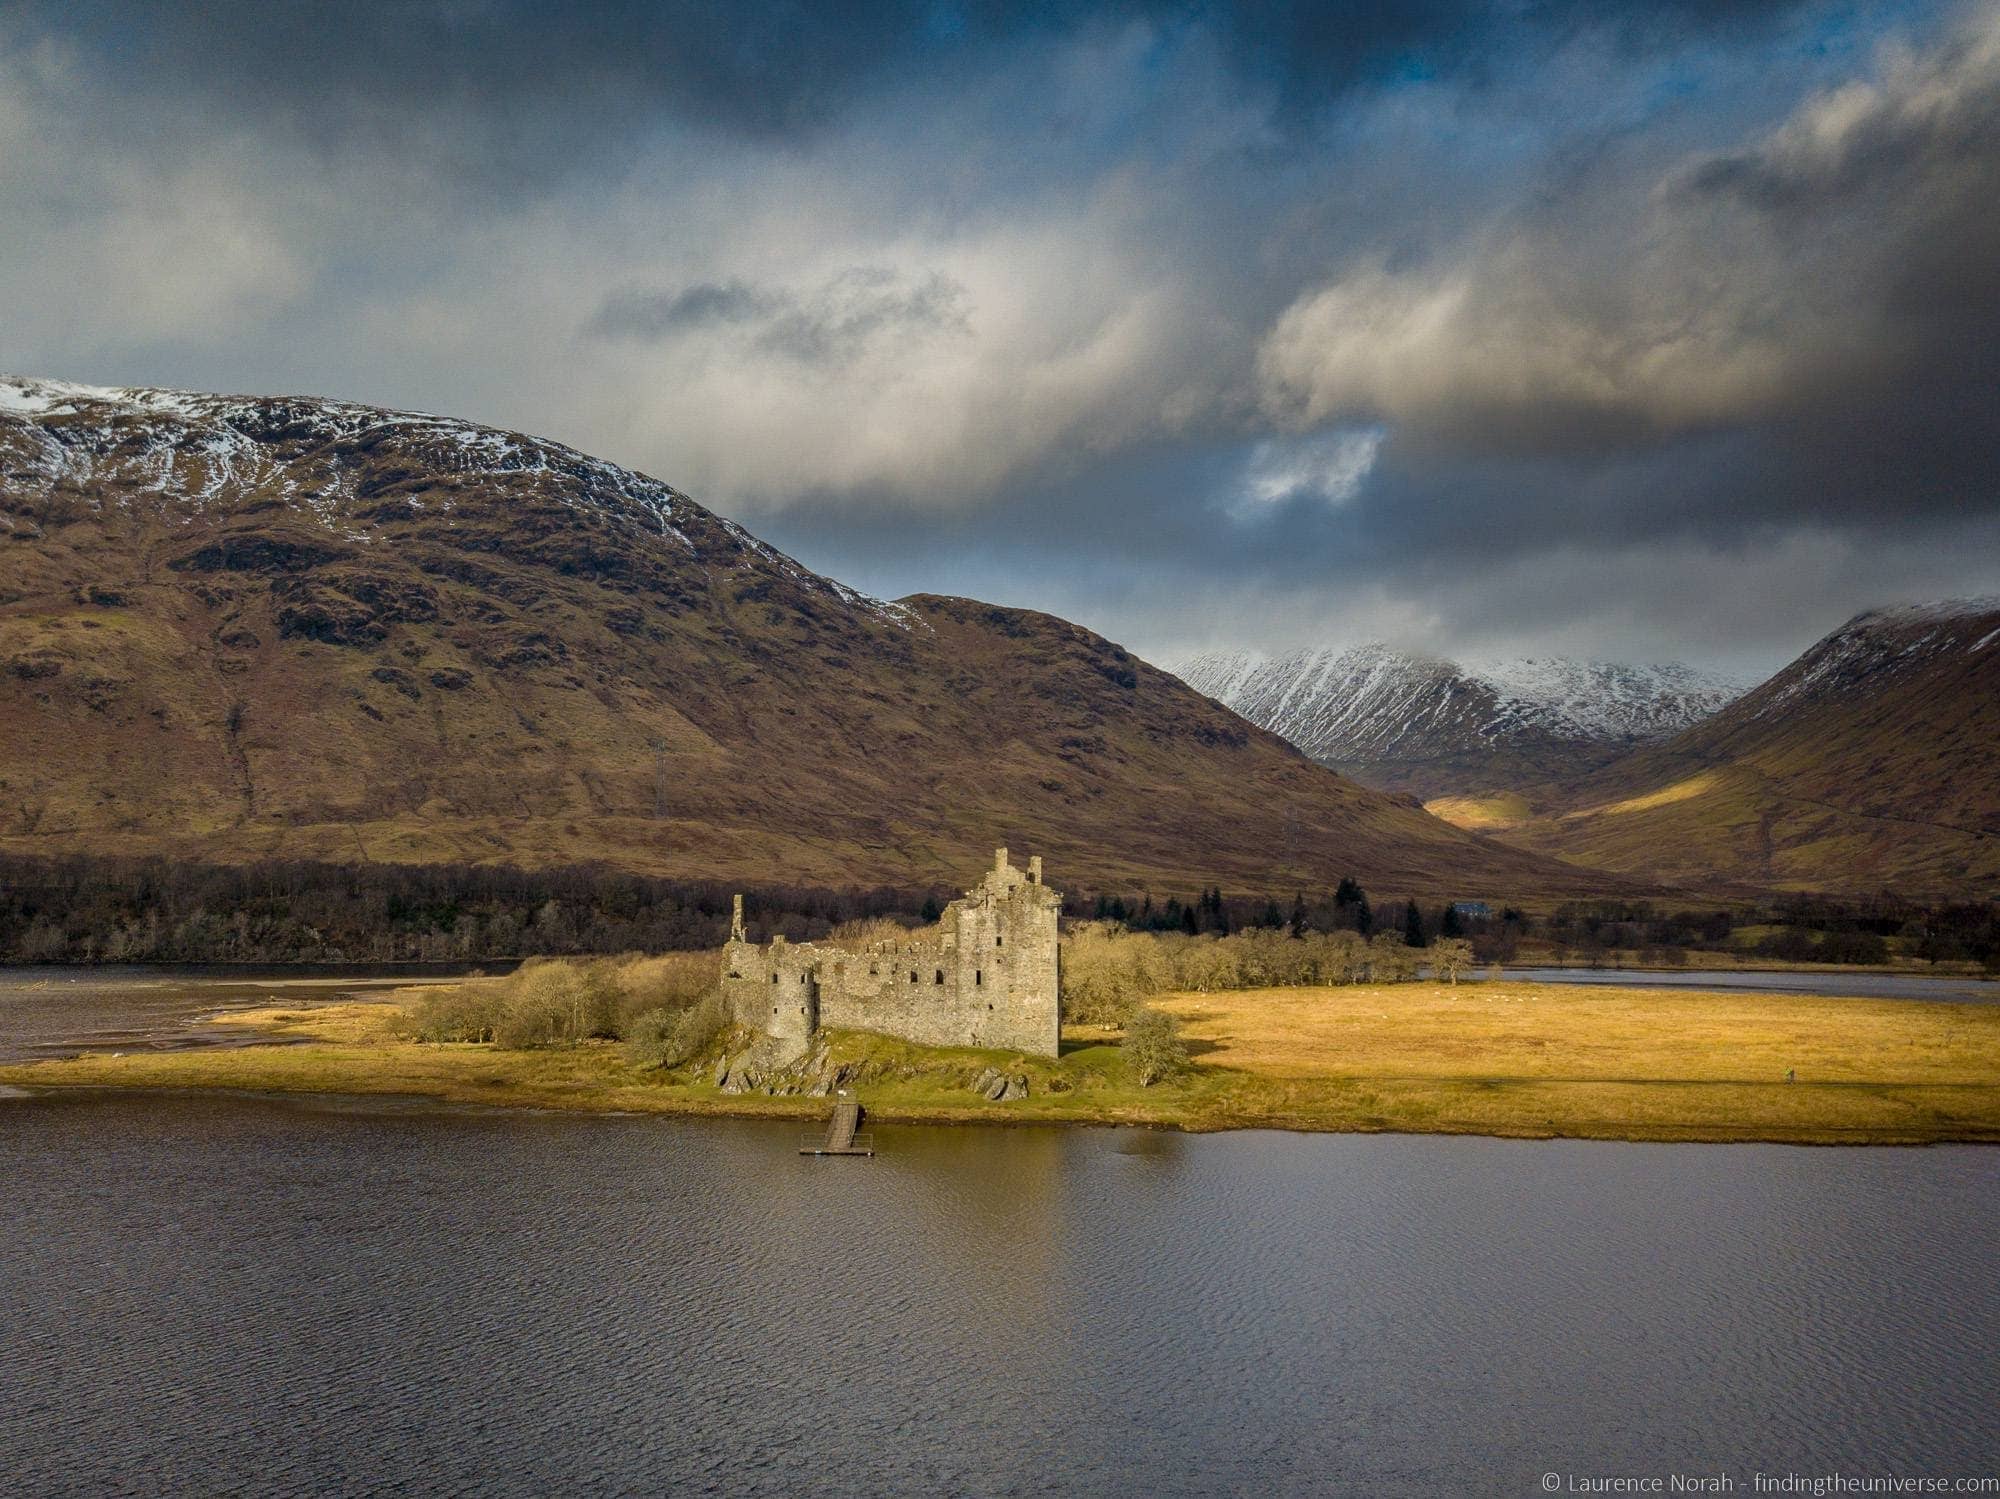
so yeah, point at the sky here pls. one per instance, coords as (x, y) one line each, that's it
(1636, 331)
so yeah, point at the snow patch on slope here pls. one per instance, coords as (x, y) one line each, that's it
(1882, 642)
(190, 451)
(1607, 700)
(1377, 703)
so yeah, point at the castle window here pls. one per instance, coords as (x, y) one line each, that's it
(913, 975)
(940, 977)
(774, 978)
(999, 939)
(978, 978)
(803, 977)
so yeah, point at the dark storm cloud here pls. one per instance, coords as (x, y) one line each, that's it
(533, 81)
(826, 325)
(1805, 328)
(658, 314)
(1267, 320)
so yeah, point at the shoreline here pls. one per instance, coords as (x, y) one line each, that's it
(1699, 961)
(1957, 973)
(1510, 1060)
(751, 1110)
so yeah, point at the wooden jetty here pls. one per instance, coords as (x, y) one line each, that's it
(843, 1133)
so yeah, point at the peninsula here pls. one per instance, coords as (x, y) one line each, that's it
(1493, 1058)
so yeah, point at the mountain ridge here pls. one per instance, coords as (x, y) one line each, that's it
(239, 627)
(1405, 721)
(1867, 764)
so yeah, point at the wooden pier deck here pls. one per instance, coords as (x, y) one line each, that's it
(843, 1133)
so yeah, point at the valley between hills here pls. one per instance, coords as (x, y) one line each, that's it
(1869, 766)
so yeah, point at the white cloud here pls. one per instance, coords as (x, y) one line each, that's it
(1329, 467)
(1733, 288)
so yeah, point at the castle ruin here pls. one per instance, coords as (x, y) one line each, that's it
(986, 975)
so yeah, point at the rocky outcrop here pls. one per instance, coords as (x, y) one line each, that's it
(776, 1067)
(1000, 1087)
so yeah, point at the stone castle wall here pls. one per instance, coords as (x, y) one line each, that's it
(987, 977)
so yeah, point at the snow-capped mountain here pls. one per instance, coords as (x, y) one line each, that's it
(1877, 646)
(183, 453)
(1421, 723)
(1871, 763)
(245, 627)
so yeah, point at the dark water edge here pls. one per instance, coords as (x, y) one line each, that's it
(205, 1294)
(412, 969)
(53, 1011)
(1842, 984)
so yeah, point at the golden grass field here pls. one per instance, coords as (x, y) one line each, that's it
(1497, 1058)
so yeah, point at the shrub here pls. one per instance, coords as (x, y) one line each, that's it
(553, 1003)
(1154, 1050)
(859, 936)
(671, 1038)
(1104, 973)
(1107, 971)
(557, 1002)
(463, 1012)
(670, 981)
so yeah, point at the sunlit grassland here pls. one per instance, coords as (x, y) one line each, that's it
(1496, 811)
(1497, 1058)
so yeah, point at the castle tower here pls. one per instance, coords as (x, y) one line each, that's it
(988, 977)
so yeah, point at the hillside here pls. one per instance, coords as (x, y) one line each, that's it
(1405, 722)
(236, 627)
(1872, 762)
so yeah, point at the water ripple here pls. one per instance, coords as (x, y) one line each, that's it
(269, 1297)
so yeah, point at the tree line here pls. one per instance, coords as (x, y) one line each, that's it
(97, 910)
(1110, 971)
(103, 910)
(1791, 929)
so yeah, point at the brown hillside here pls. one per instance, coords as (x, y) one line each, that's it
(238, 627)
(1871, 763)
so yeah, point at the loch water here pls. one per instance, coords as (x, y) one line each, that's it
(217, 1294)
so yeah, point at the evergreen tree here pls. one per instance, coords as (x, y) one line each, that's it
(932, 910)
(1347, 893)
(1273, 917)
(1217, 911)
(1448, 923)
(1190, 923)
(1298, 914)
(1364, 917)
(1413, 925)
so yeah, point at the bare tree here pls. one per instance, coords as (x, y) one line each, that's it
(1450, 956)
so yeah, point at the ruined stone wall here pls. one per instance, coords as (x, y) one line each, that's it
(987, 978)
(772, 989)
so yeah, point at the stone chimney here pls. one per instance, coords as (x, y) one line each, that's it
(1035, 869)
(999, 861)
(736, 919)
